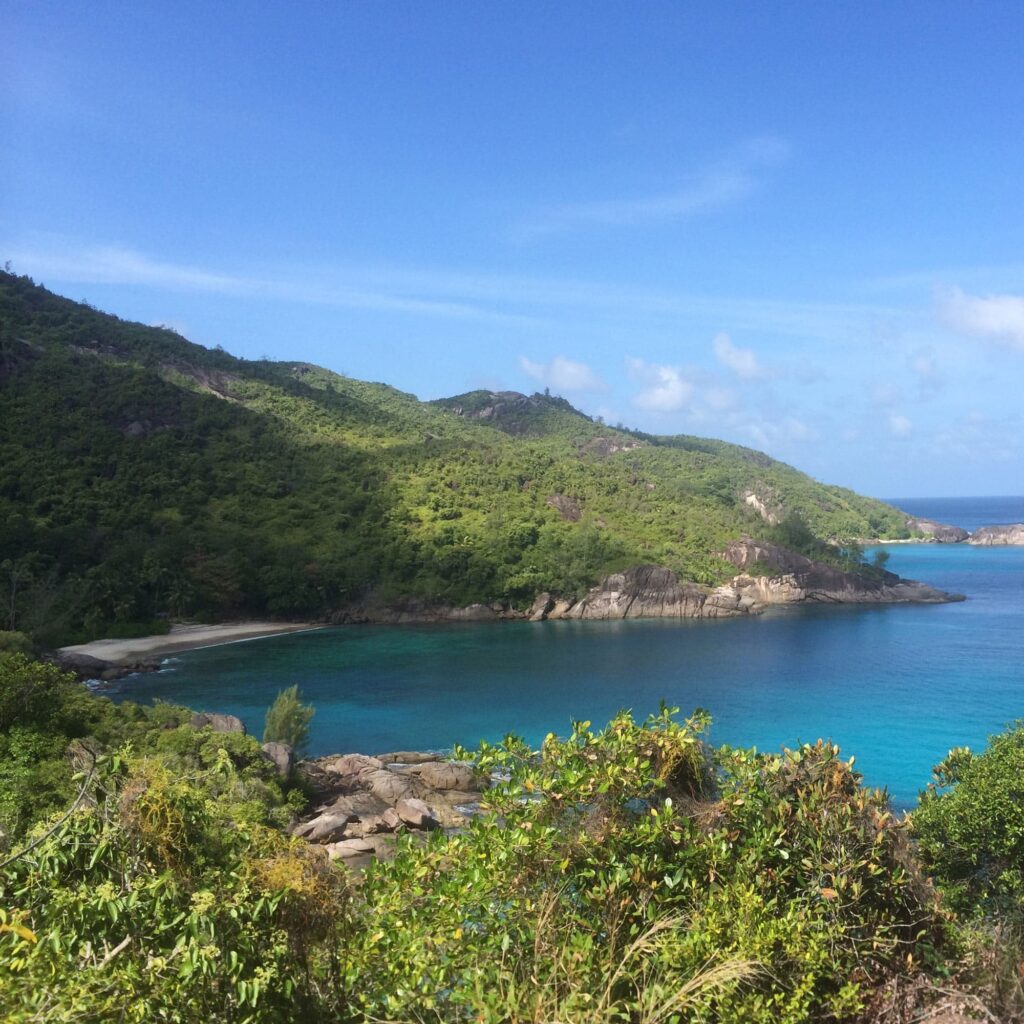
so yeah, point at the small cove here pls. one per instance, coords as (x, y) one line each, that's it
(895, 686)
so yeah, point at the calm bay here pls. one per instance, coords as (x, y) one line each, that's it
(896, 686)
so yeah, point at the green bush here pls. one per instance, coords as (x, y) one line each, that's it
(970, 825)
(288, 720)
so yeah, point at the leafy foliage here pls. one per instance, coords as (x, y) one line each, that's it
(288, 720)
(147, 477)
(630, 874)
(970, 825)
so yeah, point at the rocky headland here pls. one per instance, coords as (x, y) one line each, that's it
(991, 536)
(770, 575)
(940, 533)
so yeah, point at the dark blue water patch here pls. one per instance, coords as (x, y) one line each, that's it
(967, 513)
(896, 686)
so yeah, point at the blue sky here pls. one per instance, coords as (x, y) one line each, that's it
(797, 226)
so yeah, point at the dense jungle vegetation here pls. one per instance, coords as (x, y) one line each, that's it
(630, 874)
(145, 477)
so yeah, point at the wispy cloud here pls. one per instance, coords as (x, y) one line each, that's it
(563, 374)
(742, 361)
(125, 266)
(710, 188)
(444, 292)
(662, 388)
(998, 318)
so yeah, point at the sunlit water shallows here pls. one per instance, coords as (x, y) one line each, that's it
(895, 686)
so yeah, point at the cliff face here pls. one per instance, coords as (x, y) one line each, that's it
(790, 578)
(646, 591)
(990, 536)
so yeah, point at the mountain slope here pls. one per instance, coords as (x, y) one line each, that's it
(143, 475)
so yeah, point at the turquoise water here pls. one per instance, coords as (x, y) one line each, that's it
(895, 686)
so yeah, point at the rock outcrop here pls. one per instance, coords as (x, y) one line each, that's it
(993, 536)
(770, 575)
(281, 756)
(361, 801)
(941, 533)
(651, 591)
(216, 722)
(785, 577)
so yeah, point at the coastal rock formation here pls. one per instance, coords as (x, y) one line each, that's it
(941, 533)
(786, 577)
(992, 536)
(769, 575)
(645, 591)
(361, 801)
(651, 591)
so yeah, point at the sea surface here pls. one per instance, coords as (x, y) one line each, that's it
(895, 686)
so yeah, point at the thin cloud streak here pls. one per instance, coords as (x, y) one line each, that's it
(516, 299)
(719, 185)
(113, 265)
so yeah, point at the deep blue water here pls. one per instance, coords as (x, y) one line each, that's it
(895, 686)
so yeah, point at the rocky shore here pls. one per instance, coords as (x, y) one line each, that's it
(771, 575)
(361, 803)
(929, 531)
(991, 536)
(767, 575)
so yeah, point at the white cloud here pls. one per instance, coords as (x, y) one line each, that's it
(721, 184)
(998, 317)
(899, 425)
(563, 374)
(742, 361)
(663, 388)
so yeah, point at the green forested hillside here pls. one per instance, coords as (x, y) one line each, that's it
(143, 476)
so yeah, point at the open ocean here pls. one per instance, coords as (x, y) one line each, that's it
(896, 686)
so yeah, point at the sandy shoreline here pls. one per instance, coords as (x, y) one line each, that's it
(182, 638)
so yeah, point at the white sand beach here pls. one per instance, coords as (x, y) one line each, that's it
(182, 638)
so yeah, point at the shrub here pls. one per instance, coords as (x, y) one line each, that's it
(970, 825)
(288, 720)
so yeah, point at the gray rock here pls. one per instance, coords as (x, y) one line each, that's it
(416, 814)
(346, 848)
(216, 722)
(540, 608)
(358, 804)
(939, 532)
(444, 775)
(406, 757)
(649, 591)
(992, 536)
(83, 664)
(349, 764)
(389, 786)
(281, 755)
(324, 828)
